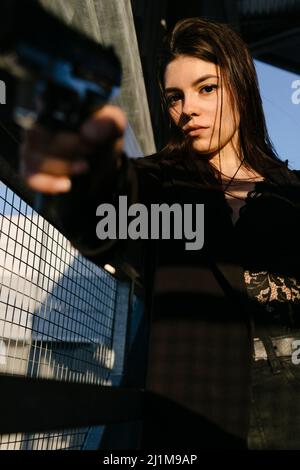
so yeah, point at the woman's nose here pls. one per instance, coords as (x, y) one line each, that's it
(190, 107)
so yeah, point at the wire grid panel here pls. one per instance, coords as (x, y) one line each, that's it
(57, 309)
(66, 439)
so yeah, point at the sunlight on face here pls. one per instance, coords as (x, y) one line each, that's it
(195, 102)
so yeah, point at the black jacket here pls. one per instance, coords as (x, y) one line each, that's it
(201, 336)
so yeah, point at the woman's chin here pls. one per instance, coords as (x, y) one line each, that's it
(203, 148)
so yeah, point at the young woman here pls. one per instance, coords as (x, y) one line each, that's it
(218, 313)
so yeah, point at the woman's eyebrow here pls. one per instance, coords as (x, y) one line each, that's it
(195, 83)
(203, 78)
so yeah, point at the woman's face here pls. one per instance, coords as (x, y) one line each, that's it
(194, 98)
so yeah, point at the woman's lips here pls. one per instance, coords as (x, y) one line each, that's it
(195, 131)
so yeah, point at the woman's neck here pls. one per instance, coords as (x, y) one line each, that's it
(227, 160)
(229, 164)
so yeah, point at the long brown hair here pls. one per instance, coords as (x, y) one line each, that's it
(219, 44)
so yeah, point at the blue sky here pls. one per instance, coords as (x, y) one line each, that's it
(282, 115)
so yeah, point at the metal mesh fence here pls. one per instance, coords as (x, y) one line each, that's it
(67, 439)
(57, 312)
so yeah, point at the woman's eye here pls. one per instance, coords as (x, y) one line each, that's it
(207, 89)
(172, 99)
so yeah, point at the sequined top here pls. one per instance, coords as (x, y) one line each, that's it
(267, 287)
(268, 227)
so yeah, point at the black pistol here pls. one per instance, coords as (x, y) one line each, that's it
(53, 74)
(50, 74)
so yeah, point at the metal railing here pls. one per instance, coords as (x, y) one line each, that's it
(61, 316)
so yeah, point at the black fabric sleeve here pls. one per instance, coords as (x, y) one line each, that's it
(75, 213)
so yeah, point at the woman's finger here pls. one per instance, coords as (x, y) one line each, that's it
(106, 124)
(48, 184)
(36, 162)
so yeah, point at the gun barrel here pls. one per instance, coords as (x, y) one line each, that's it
(26, 24)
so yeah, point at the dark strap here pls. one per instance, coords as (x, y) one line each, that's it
(274, 361)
